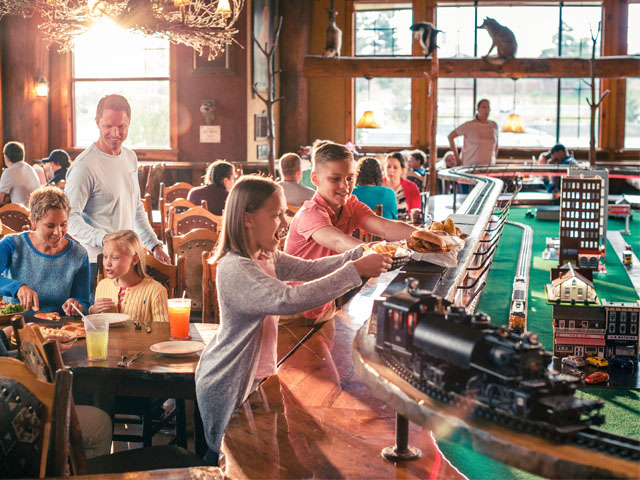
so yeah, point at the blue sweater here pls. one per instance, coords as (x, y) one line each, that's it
(372, 196)
(55, 278)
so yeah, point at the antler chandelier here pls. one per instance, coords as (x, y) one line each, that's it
(199, 24)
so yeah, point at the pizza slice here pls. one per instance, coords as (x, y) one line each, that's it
(54, 316)
(75, 328)
(61, 335)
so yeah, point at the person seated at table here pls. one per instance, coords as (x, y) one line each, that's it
(59, 161)
(254, 293)
(417, 160)
(324, 225)
(127, 288)
(218, 180)
(19, 179)
(407, 193)
(556, 156)
(369, 189)
(295, 193)
(43, 269)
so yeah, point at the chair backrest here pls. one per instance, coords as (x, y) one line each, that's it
(175, 191)
(15, 216)
(179, 205)
(195, 217)
(30, 411)
(368, 237)
(43, 358)
(190, 246)
(210, 309)
(154, 179)
(172, 277)
(418, 179)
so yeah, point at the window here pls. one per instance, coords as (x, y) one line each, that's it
(612, 327)
(552, 110)
(561, 324)
(623, 316)
(585, 324)
(623, 328)
(142, 76)
(572, 324)
(383, 31)
(633, 329)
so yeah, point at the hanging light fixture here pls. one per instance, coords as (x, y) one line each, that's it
(513, 124)
(368, 120)
(41, 86)
(223, 8)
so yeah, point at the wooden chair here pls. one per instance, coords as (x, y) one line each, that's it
(6, 230)
(175, 191)
(190, 246)
(154, 179)
(172, 277)
(148, 209)
(195, 217)
(30, 410)
(368, 237)
(210, 308)
(15, 216)
(292, 210)
(179, 205)
(418, 179)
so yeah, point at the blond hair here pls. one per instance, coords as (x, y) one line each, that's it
(129, 242)
(325, 151)
(47, 198)
(247, 195)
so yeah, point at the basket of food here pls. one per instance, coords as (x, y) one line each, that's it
(396, 250)
(8, 310)
(439, 244)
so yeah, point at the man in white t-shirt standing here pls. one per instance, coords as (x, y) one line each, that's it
(19, 179)
(102, 185)
(480, 138)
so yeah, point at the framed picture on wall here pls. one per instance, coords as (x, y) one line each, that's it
(221, 65)
(263, 16)
(261, 128)
(262, 151)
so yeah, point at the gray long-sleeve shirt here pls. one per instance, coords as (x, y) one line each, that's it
(246, 294)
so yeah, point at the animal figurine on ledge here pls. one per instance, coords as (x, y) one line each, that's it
(426, 33)
(503, 39)
(333, 37)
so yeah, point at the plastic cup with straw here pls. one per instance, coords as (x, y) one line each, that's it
(97, 331)
(179, 312)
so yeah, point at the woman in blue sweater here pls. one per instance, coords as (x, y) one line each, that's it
(369, 189)
(44, 270)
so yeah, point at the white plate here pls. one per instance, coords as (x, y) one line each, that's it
(177, 348)
(115, 319)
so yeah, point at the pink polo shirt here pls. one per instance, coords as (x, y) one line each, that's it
(315, 214)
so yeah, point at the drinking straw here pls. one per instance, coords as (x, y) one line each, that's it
(184, 294)
(84, 318)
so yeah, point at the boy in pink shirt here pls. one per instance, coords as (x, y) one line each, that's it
(323, 226)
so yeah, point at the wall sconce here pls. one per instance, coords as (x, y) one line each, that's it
(208, 111)
(41, 86)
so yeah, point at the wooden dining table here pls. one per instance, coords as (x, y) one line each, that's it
(152, 375)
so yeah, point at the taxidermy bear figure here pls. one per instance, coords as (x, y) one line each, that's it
(426, 33)
(333, 38)
(502, 38)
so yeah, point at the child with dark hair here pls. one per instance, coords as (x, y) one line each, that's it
(369, 189)
(417, 160)
(218, 180)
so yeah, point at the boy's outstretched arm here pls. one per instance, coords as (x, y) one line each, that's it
(391, 230)
(334, 239)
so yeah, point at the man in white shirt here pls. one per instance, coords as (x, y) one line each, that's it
(102, 185)
(291, 170)
(19, 179)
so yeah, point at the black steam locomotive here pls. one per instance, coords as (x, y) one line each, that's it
(462, 359)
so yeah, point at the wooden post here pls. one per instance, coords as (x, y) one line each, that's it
(592, 103)
(294, 109)
(270, 99)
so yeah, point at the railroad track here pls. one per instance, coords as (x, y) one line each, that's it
(596, 439)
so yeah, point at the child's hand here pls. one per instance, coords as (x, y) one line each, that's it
(68, 309)
(102, 305)
(373, 264)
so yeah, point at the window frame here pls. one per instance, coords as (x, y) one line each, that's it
(61, 97)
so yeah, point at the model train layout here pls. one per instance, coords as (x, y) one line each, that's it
(460, 358)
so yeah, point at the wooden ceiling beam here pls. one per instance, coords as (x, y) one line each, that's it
(316, 66)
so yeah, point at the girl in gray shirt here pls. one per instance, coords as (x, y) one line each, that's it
(248, 293)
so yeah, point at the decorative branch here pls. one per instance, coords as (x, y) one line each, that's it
(594, 105)
(270, 100)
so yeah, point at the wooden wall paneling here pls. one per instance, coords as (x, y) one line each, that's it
(294, 108)
(614, 42)
(60, 101)
(1, 82)
(25, 116)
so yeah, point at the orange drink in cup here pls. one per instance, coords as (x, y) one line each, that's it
(179, 311)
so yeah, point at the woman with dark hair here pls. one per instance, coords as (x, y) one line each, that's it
(369, 189)
(407, 193)
(480, 138)
(218, 180)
